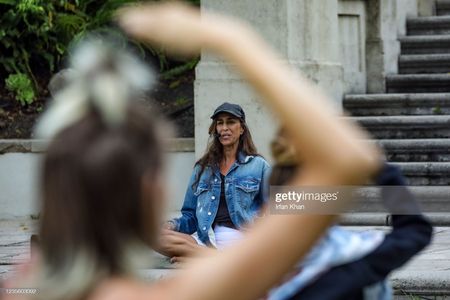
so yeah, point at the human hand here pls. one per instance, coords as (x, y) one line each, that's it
(169, 225)
(175, 26)
(172, 243)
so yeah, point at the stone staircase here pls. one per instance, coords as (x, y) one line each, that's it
(442, 7)
(411, 121)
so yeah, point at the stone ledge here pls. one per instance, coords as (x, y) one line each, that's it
(19, 146)
(395, 99)
(419, 39)
(182, 145)
(430, 20)
(382, 219)
(39, 146)
(398, 104)
(424, 168)
(416, 145)
(409, 122)
(430, 283)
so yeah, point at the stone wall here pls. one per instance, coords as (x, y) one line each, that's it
(20, 162)
(305, 33)
(345, 46)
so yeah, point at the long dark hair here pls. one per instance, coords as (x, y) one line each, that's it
(93, 200)
(214, 152)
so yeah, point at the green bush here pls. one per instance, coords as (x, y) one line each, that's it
(36, 34)
(22, 87)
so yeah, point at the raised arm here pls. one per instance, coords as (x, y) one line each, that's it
(328, 146)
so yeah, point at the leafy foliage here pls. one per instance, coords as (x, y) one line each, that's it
(22, 86)
(35, 36)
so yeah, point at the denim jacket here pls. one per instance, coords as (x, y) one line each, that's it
(245, 191)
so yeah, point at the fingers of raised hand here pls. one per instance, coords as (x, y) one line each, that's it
(175, 26)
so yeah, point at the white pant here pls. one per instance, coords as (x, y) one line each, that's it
(224, 236)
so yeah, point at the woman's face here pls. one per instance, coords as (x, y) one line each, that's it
(229, 129)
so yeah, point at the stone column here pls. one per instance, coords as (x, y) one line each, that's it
(304, 32)
(386, 22)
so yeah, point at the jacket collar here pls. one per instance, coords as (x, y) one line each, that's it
(243, 159)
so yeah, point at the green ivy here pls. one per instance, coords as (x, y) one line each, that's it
(22, 87)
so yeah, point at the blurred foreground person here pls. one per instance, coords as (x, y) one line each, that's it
(102, 190)
(351, 265)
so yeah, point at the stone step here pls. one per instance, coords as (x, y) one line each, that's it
(426, 173)
(406, 285)
(406, 127)
(425, 44)
(428, 283)
(418, 150)
(430, 198)
(425, 276)
(424, 63)
(442, 7)
(418, 83)
(397, 104)
(383, 219)
(433, 25)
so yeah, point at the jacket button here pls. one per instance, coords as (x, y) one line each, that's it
(209, 213)
(213, 197)
(215, 180)
(204, 228)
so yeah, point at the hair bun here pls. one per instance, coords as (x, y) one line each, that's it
(104, 76)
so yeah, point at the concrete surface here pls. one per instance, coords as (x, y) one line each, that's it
(427, 274)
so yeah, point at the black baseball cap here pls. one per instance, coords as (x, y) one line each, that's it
(234, 109)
